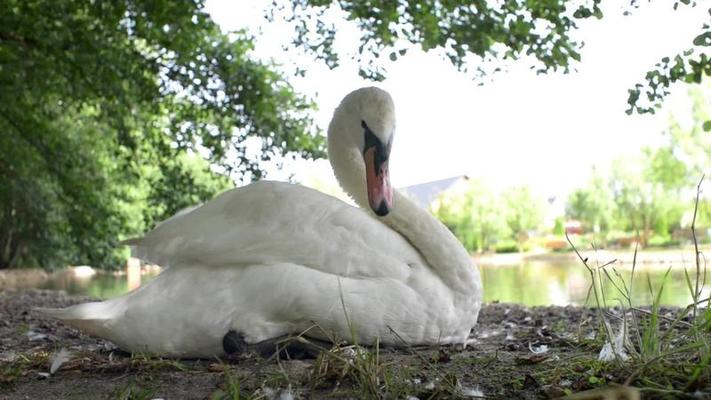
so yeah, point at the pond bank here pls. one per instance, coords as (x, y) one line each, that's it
(645, 258)
(516, 352)
(23, 278)
(82, 280)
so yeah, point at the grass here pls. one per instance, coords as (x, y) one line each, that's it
(11, 372)
(133, 392)
(668, 355)
(232, 389)
(148, 362)
(360, 368)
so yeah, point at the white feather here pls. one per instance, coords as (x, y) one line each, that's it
(60, 358)
(542, 349)
(615, 349)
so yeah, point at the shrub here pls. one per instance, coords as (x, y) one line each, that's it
(663, 241)
(510, 246)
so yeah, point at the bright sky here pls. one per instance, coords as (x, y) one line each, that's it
(543, 130)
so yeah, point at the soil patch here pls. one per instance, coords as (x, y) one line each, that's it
(516, 352)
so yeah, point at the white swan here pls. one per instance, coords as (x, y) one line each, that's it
(270, 259)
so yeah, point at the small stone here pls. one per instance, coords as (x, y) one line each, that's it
(554, 392)
(215, 367)
(513, 347)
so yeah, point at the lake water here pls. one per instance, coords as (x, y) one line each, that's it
(540, 283)
(528, 283)
(100, 285)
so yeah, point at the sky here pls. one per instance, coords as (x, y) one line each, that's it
(546, 131)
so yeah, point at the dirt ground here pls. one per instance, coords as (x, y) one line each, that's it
(518, 352)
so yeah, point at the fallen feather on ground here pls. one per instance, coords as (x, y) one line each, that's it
(542, 349)
(278, 394)
(60, 358)
(471, 392)
(615, 348)
(35, 336)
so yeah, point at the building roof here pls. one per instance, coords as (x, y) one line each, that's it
(425, 193)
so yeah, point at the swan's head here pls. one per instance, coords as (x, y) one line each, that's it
(360, 137)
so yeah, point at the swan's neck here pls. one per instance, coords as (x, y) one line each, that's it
(435, 242)
(444, 253)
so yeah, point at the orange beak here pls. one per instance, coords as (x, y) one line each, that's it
(380, 193)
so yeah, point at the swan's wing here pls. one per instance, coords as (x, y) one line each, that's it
(180, 214)
(271, 222)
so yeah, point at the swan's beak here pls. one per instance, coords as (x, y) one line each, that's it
(380, 193)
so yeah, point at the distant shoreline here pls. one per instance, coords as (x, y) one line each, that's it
(682, 256)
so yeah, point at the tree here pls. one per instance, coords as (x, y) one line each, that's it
(43, 193)
(652, 191)
(524, 212)
(679, 163)
(474, 216)
(593, 205)
(644, 204)
(686, 156)
(540, 30)
(691, 145)
(94, 95)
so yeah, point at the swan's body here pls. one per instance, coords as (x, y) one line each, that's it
(272, 259)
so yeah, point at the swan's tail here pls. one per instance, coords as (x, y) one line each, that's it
(91, 318)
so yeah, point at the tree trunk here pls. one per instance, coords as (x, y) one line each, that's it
(5, 250)
(519, 243)
(15, 255)
(646, 231)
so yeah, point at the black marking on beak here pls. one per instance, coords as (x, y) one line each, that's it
(382, 152)
(383, 210)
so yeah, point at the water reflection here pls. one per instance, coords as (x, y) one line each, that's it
(530, 283)
(544, 283)
(102, 285)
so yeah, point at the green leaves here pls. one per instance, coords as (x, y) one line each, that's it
(703, 39)
(689, 66)
(583, 12)
(537, 31)
(101, 104)
(480, 218)
(524, 211)
(647, 194)
(593, 205)
(493, 31)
